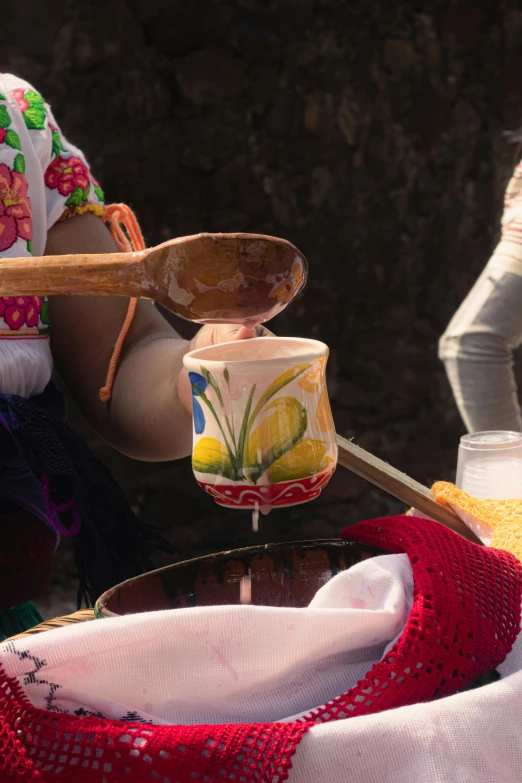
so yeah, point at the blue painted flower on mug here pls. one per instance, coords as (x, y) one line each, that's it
(198, 384)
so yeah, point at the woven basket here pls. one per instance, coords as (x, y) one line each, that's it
(59, 622)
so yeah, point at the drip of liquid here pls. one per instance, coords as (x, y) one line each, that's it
(250, 323)
(265, 509)
(245, 588)
(255, 518)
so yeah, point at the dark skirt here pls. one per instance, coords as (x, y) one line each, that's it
(48, 471)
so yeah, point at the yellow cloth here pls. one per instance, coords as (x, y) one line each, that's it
(503, 516)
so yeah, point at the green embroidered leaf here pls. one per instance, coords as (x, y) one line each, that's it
(44, 313)
(5, 119)
(30, 246)
(34, 116)
(100, 195)
(57, 144)
(19, 163)
(275, 436)
(2, 97)
(13, 139)
(77, 198)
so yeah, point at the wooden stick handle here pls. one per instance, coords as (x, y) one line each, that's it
(87, 275)
(399, 486)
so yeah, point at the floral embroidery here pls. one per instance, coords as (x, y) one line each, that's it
(15, 207)
(22, 102)
(32, 106)
(100, 195)
(56, 140)
(67, 175)
(11, 138)
(44, 312)
(5, 119)
(19, 163)
(7, 135)
(21, 311)
(70, 176)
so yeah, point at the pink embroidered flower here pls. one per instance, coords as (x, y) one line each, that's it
(67, 174)
(14, 316)
(4, 301)
(3, 134)
(32, 311)
(22, 102)
(15, 208)
(20, 310)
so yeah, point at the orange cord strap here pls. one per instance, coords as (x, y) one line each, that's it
(127, 235)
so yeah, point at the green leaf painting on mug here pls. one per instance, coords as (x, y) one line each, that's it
(210, 456)
(269, 431)
(275, 435)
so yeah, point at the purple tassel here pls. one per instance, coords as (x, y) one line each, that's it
(54, 510)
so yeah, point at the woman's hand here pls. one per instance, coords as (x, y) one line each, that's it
(212, 334)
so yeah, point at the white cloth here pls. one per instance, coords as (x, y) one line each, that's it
(42, 177)
(242, 663)
(477, 347)
(224, 664)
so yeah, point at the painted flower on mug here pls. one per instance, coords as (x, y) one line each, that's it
(270, 440)
(199, 385)
(311, 381)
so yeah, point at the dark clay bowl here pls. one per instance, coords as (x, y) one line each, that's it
(282, 575)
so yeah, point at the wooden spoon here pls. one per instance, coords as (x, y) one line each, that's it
(399, 486)
(205, 278)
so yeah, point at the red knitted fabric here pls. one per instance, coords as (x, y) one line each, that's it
(69, 749)
(464, 620)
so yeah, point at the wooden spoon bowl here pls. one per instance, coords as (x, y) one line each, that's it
(205, 278)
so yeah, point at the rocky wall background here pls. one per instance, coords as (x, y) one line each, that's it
(369, 133)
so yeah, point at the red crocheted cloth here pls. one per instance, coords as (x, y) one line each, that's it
(464, 621)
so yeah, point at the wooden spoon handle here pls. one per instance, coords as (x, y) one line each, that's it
(89, 275)
(399, 486)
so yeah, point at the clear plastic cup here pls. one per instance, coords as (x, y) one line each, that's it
(490, 465)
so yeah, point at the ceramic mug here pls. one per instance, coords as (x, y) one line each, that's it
(263, 430)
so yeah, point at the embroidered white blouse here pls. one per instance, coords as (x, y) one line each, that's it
(42, 179)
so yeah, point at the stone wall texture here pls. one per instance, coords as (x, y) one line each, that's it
(369, 133)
